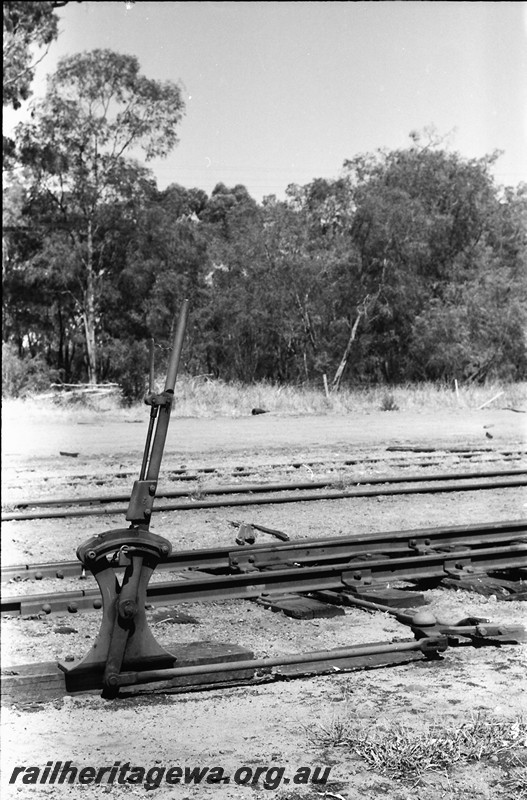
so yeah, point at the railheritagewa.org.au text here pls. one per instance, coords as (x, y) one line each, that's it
(124, 773)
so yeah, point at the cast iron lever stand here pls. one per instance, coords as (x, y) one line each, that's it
(124, 638)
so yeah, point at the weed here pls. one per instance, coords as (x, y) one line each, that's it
(197, 493)
(515, 784)
(404, 752)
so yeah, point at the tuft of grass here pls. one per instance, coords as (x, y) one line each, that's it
(388, 402)
(404, 752)
(515, 782)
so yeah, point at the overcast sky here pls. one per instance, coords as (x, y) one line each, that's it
(284, 92)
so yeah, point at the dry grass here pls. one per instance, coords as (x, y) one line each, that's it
(403, 752)
(203, 397)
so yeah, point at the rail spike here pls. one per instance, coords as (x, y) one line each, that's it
(125, 641)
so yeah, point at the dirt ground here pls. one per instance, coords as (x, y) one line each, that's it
(275, 725)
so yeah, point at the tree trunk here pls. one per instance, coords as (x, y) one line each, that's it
(60, 355)
(89, 311)
(344, 360)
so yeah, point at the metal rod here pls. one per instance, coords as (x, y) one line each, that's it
(153, 412)
(146, 676)
(350, 600)
(164, 417)
(146, 453)
(467, 486)
(170, 382)
(151, 375)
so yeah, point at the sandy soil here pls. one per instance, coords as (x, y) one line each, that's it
(279, 724)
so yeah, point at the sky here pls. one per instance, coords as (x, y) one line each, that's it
(284, 92)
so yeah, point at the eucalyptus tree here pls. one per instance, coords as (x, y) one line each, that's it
(78, 154)
(28, 26)
(330, 294)
(476, 326)
(431, 228)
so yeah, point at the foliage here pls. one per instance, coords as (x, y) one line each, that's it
(26, 24)
(126, 361)
(409, 267)
(83, 192)
(28, 27)
(23, 376)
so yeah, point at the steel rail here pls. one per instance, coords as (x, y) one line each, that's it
(270, 487)
(355, 573)
(424, 488)
(303, 551)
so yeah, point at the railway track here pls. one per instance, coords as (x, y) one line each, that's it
(398, 456)
(305, 551)
(346, 571)
(300, 567)
(271, 493)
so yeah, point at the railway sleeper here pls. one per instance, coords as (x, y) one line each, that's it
(488, 585)
(300, 606)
